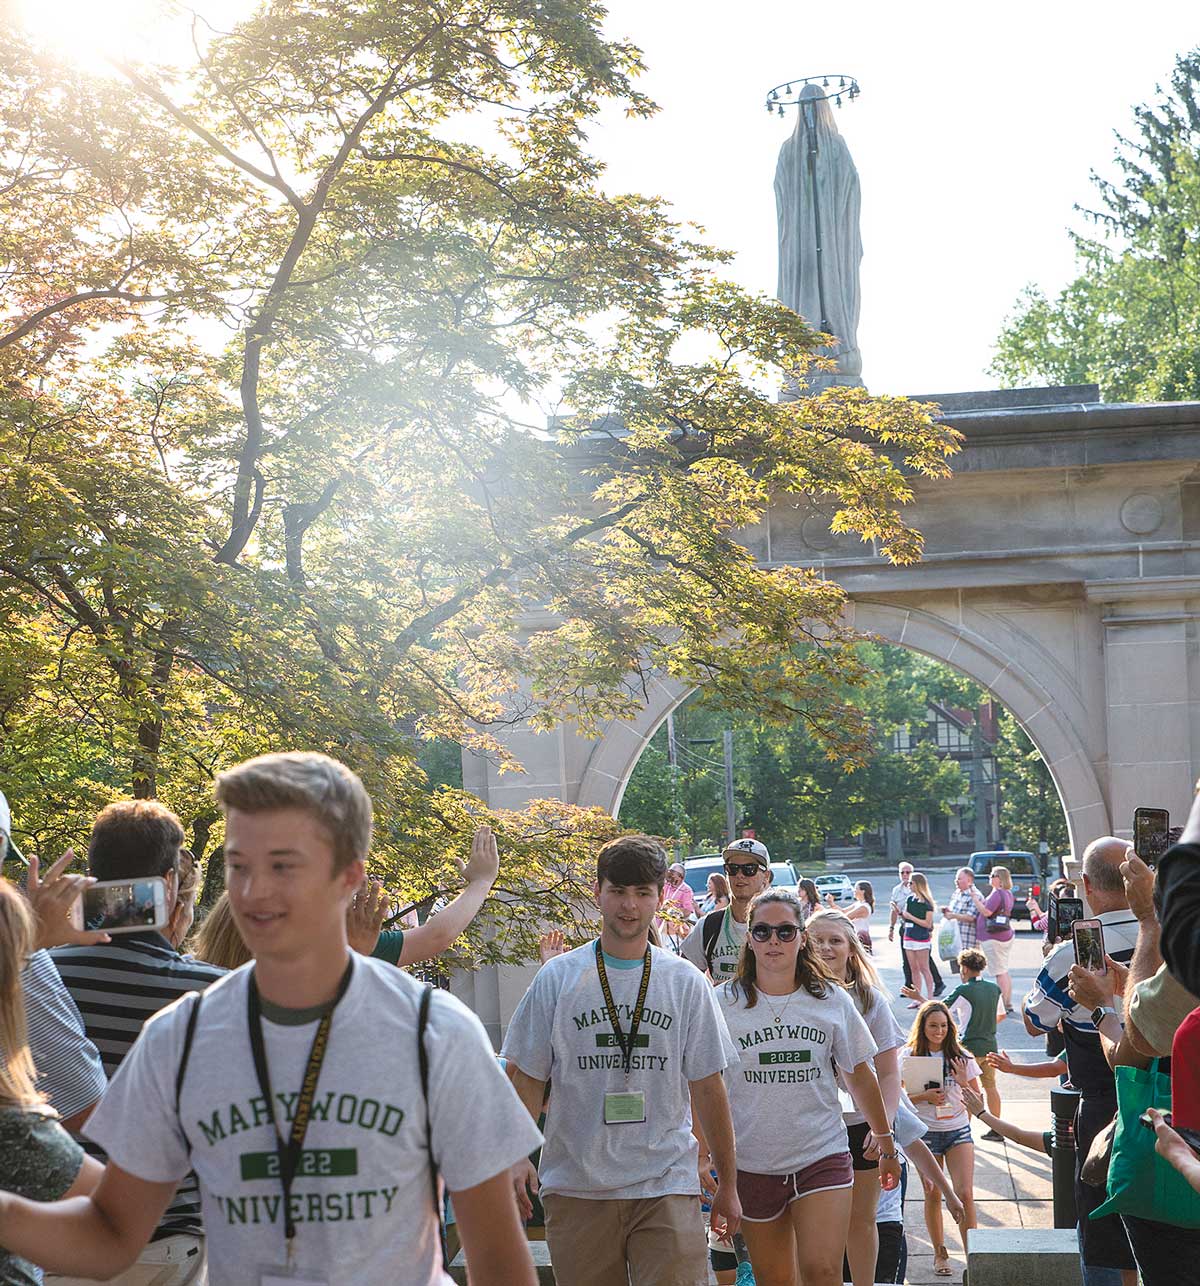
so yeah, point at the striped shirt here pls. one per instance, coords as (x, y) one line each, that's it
(68, 1065)
(1050, 1003)
(118, 986)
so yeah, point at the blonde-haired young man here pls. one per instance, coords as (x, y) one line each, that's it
(300, 1103)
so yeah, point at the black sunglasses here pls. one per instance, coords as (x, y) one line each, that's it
(784, 932)
(743, 868)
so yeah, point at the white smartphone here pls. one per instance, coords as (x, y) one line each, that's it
(1089, 945)
(123, 906)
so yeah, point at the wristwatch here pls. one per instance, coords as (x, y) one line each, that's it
(1101, 1013)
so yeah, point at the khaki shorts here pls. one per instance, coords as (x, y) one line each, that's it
(997, 954)
(657, 1240)
(987, 1073)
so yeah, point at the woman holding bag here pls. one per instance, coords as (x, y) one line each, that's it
(993, 926)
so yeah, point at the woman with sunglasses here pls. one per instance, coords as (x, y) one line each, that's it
(794, 1027)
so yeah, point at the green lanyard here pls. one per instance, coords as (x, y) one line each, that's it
(627, 1044)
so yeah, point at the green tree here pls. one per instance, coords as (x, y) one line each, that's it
(1130, 320)
(271, 333)
(1030, 811)
(788, 786)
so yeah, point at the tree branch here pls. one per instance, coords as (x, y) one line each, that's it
(189, 122)
(429, 621)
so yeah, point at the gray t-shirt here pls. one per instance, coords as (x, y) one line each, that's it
(361, 1198)
(726, 951)
(886, 1033)
(783, 1093)
(561, 1031)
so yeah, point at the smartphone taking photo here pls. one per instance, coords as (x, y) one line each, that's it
(1061, 915)
(1089, 945)
(1151, 833)
(123, 906)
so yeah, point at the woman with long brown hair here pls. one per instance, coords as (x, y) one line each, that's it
(838, 946)
(948, 1125)
(38, 1158)
(795, 1026)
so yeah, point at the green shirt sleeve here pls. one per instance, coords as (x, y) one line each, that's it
(389, 946)
(952, 997)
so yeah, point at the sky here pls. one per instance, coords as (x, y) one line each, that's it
(974, 137)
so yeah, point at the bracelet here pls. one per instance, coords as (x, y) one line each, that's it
(889, 1156)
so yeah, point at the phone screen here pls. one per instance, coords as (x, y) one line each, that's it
(1066, 912)
(128, 905)
(1089, 945)
(1151, 833)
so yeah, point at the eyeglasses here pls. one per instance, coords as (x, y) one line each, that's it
(742, 868)
(784, 932)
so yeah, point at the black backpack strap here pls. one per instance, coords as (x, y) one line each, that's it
(423, 1063)
(188, 1034)
(710, 932)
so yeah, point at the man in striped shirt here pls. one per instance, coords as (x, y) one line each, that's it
(120, 984)
(1102, 1242)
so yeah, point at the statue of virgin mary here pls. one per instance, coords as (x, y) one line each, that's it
(820, 247)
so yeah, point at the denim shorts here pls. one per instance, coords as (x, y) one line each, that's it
(939, 1142)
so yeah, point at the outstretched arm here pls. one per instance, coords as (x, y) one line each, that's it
(1031, 1139)
(96, 1236)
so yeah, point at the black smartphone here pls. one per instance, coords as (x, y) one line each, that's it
(1190, 1137)
(1151, 833)
(1061, 914)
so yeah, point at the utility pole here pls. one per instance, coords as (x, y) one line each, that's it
(730, 820)
(673, 760)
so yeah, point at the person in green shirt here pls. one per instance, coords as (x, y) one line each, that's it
(979, 1033)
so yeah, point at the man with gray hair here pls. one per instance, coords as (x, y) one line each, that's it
(962, 909)
(1102, 1242)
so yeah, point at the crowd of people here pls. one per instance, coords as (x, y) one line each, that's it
(719, 1085)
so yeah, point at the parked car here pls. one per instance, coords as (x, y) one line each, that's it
(1027, 874)
(841, 888)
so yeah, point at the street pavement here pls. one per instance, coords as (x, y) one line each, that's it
(1012, 1184)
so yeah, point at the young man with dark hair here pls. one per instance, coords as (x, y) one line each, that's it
(634, 1042)
(715, 943)
(314, 1090)
(118, 985)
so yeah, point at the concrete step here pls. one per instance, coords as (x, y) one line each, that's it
(1023, 1257)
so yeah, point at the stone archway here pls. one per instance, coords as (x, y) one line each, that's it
(994, 667)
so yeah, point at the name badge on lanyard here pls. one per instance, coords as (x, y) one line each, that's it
(624, 1107)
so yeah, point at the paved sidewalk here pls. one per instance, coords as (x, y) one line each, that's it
(1012, 1190)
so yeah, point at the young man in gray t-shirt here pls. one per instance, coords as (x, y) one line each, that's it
(628, 1035)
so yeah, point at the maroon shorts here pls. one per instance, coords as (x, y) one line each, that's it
(766, 1196)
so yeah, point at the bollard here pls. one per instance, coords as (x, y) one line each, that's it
(1063, 1105)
